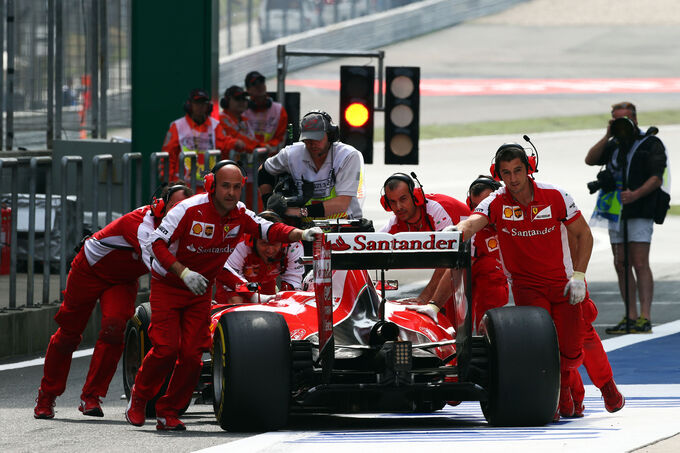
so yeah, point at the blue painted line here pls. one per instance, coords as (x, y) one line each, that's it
(654, 361)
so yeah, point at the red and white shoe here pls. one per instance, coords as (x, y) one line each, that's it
(91, 405)
(169, 423)
(44, 407)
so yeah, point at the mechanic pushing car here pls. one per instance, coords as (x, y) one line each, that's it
(530, 219)
(261, 262)
(414, 211)
(489, 283)
(190, 247)
(107, 268)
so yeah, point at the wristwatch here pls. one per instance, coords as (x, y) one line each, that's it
(303, 212)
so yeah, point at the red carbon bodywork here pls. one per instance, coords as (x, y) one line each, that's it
(299, 310)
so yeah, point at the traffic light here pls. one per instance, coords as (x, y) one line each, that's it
(356, 108)
(402, 114)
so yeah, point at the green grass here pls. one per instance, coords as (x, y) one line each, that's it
(532, 125)
(674, 210)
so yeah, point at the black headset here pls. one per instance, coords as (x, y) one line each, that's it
(486, 181)
(332, 130)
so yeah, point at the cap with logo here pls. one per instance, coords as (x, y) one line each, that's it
(252, 78)
(198, 95)
(312, 127)
(235, 92)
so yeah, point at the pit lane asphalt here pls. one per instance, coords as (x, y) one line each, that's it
(470, 50)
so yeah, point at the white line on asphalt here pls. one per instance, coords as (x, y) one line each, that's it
(41, 361)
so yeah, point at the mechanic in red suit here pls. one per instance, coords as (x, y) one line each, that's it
(596, 363)
(190, 248)
(107, 268)
(489, 283)
(415, 211)
(260, 261)
(532, 220)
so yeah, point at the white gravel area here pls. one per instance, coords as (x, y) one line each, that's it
(588, 12)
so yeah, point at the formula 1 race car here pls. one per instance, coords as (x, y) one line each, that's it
(343, 347)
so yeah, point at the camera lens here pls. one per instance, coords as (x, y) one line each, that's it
(593, 186)
(623, 129)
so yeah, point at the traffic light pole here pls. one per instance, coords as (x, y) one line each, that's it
(282, 53)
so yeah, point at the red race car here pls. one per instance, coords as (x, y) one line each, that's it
(343, 347)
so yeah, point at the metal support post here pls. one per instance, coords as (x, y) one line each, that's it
(128, 158)
(78, 219)
(13, 164)
(96, 161)
(153, 159)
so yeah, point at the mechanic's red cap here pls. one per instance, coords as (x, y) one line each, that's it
(198, 95)
(252, 78)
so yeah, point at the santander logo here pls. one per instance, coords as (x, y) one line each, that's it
(431, 241)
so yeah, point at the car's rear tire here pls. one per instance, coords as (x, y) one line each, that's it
(251, 371)
(137, 345)
(524, 366)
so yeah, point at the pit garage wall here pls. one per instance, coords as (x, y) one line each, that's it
(365, 33)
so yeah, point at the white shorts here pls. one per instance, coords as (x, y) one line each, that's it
(639, 230)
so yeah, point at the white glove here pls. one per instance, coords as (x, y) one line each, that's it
(450, 228)
(194, 281)
(258, 298)
(576, 287)
(430, 310)
(310, 234)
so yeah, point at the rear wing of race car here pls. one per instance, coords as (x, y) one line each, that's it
(412, 250)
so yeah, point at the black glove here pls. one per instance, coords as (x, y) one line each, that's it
(278, 204)
(307, 191)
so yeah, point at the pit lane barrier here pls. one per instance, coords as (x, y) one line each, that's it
(41, 237)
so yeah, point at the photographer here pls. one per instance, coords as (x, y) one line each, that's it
(631, 191)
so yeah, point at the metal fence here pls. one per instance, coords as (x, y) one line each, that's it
(66, 71)
(48, 222)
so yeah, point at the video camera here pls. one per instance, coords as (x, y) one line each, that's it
(286, 195)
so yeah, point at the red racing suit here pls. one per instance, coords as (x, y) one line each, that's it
(106, 268)
(594, 356)
(535, 254)
(245, 265)
(489, 283)
(194, 234)
(185, 135)
(440, 211)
